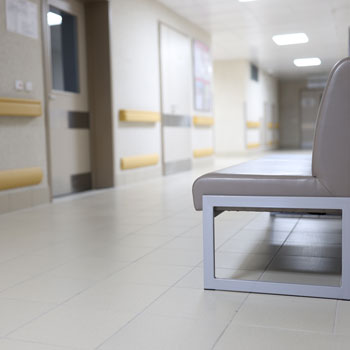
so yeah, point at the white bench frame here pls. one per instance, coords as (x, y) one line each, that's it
(261, 202)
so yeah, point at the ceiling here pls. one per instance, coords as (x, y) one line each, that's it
(244, 30)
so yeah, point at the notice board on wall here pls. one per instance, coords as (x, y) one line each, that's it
(202, 77)
(22, 17)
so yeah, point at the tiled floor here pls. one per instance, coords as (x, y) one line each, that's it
(122, 269)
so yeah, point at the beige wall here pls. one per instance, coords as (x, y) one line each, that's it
(135, 85)
(230, 79)
(22, 140)
(238, 99)
(136, 81)
(289, 110)
(261, 97)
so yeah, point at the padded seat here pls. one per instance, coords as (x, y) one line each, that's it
(268, 176)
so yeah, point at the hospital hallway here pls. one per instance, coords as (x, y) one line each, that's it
(174, 174)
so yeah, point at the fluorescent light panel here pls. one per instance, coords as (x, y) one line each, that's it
(246, 0)
(53, 19)
(307, 62)
(290, 39)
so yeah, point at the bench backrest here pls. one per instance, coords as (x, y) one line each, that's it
(331, 150)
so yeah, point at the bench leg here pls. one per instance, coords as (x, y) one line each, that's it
(238, 202)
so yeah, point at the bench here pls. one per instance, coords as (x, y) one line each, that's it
(320, 183)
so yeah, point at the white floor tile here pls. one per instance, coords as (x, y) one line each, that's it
(306, 264)
(239, 261)
(149, 332)
(271, 223)
(248, 246)
(88, 268)
(143, 240)
(315, 250)
(15, 313)
(248, 338)
(112, 270)
(272, 236)
(125, 297)
(319, 225)
(7, 344)
(192, 280)
(173, 257)
(186, 244)
(248, 275)
(296, 313)
(310, 238)
(47, 288)
(317, 279)
(81, 328)
(197, 304)
(151, 274)
(343, 318)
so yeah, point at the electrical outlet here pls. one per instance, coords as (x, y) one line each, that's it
(19, 85)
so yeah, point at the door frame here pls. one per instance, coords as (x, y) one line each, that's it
(47, 88)
(107, 180)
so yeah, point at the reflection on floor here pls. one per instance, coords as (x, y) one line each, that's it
(121, 269)
(259, 246)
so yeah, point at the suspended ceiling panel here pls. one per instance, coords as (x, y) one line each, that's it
(244, 30)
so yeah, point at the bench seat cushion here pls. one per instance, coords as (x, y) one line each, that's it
(269, 176)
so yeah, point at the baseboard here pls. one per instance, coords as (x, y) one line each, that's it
(13, 200)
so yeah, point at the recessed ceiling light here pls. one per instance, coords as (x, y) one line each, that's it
(290, 39)
(307, 62)
(246, 0)
(53, 19)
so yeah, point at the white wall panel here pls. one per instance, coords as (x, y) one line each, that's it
(253, 136)
(22, 140)
(230, 78)
(202, 137)
(239, 100)
(145, 145)
(178, 144)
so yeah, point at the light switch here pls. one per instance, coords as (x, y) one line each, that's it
(29, 86)
(19, 85)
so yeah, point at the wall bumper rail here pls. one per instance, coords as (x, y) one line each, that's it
(139, 161)
(253, 124)
(203, 152)
(138, 116)
(15, 178)
(203, 121)
(253, 145)
(15, 107)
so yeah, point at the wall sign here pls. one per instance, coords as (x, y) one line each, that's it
(202, 77)
(22, 17)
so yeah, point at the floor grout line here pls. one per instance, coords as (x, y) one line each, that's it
(244, 300)
(174, 216)
(86, 289)
(143, 310)
(335, 317)
(230, 321)
(278, 250)
(40, 343)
